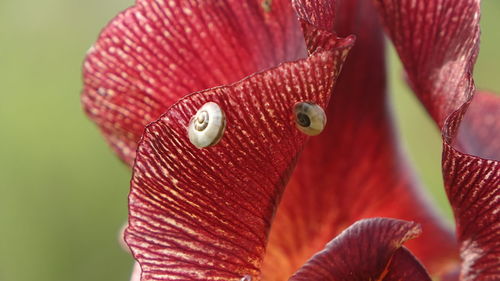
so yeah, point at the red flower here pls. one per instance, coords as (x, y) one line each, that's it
(206, 214)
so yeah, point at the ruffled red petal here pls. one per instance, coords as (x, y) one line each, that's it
(204, 214)
(159, 51)
(473, 185)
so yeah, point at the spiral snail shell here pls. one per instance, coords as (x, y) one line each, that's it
(310, 118)
(206, 128)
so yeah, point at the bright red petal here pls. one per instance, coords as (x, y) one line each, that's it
(204, 214)
(355, 168)
(370, 249)
(438, 44)
(159, 51)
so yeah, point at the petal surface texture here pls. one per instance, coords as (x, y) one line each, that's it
(370, 249)
(438, 44)
(355, 168)
(158, 51)
(205, 214)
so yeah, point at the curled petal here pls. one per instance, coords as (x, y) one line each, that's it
(438, 44)
(473, 187)
(404, 266)
(370, 249)
(159, 51)
(204, 214)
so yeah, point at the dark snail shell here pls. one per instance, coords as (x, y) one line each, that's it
(310, 118)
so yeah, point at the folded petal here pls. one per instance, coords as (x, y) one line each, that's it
(355, 168)
(404, 266)
(159, 51)
(370, 249)
(473, 185)
(204, 214)
(438, 44)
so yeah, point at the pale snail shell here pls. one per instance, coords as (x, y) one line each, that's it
(310, 118)
(207, 127)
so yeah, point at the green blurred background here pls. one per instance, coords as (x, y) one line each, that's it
(62, 191)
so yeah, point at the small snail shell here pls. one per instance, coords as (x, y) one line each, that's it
(310, 118)
(207, 126)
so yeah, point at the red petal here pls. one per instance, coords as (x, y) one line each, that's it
(473, 186)
(159, 51)
(370, 249)
(355, 168)
(204, 214)
(404, 266)
(438, 44)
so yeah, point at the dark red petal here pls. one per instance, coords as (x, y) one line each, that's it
(370, 249)
(355, 168)
(159, 51)
(473, 186)
(404, 266)
(204, 214)
(438, 44)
